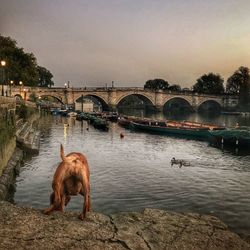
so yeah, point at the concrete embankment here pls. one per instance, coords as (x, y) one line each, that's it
(7, 130)
(10, 155)
(27, 228)
(27, 135)
(8, 176)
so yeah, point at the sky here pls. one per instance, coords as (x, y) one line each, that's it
(94, 42)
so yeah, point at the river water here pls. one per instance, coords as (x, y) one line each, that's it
(132, 173)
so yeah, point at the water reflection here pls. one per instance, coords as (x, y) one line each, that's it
(132, 173)
(206, 117)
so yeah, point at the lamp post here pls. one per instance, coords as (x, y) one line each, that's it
(20, 83)
(3, 64)
(11, 83)
(65, 94)
(25, 93)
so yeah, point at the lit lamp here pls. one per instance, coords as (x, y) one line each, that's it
(11, 83)
(3, 64)
(20, 83)
(65, 85)
(25, 93)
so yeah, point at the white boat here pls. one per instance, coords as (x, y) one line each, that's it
(72, 114)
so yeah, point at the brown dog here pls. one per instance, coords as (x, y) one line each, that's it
(71, 178)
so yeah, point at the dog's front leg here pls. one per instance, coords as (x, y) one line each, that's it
(86, 194)
(52, 207)
(86, 206)
(49, 209)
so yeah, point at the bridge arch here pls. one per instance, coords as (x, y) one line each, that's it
(144, 98)
(58, 98)
(103, 103)
(177, 103)
(209, 106)
(18, 96)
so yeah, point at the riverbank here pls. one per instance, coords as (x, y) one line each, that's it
(8, 176)
(7, 130)
(27, 228)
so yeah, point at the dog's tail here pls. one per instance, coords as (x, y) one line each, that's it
(62, 153)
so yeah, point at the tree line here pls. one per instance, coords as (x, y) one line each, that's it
(238, 83)
(22, 66)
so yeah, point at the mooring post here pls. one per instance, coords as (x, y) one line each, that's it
(82, 103)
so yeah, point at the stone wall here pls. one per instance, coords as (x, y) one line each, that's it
(7, 130)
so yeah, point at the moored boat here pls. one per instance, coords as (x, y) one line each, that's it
(179, 130)
(63, 112)
(94, 119)
(55, 111)
(184, 128)
(111, 116)
(238, 137)
(125, 121)
(100, 123)
(72, 114)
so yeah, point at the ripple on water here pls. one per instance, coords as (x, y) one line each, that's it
(135, 172)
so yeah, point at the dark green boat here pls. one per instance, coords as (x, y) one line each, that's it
(178, 129)
(239, 137)
(100, 123)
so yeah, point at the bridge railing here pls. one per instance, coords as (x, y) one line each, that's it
(94, 89)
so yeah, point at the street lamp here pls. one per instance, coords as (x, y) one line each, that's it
(20, 83)
(3, 64)
(11, 82)
(25, 93)
(65, 85)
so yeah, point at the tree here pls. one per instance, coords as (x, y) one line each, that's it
(209, 84)
(174, 87)
(239, 83)
(32, 97)
(21, 66)
(45, 77)
(156, 84)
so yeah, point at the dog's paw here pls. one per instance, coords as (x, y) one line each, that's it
(81, 216)
(46, 211)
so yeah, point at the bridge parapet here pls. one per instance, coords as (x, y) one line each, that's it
(112, 96)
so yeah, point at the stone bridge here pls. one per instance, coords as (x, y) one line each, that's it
(110, 98)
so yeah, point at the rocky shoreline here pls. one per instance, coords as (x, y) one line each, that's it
(27, 228)
(8, 177)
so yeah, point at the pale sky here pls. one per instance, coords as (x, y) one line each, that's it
(94, 42)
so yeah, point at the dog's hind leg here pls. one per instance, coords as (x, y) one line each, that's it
(67, 199)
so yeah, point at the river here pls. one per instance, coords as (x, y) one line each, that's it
(133, 173)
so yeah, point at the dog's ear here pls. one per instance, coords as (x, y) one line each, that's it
(62, 153)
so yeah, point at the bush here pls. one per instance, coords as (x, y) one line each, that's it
(22, 111)
(32, 97)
